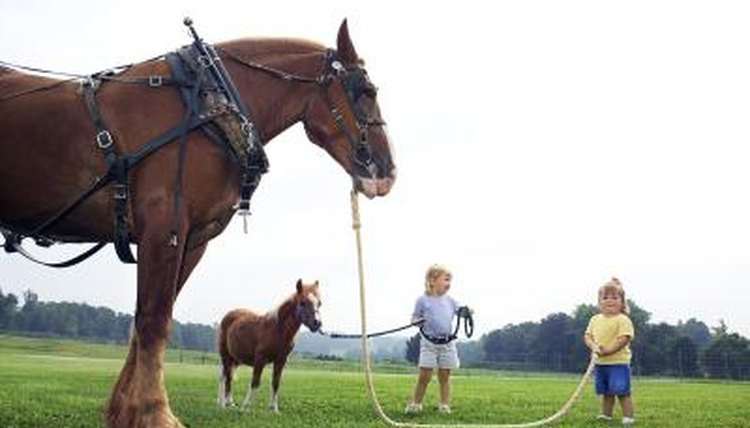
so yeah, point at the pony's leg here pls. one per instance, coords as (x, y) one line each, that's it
(226, 372)
(252, 387)
(278, 367)
(221, 398)
(140, 398)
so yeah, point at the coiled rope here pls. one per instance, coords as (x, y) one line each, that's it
(356, 225)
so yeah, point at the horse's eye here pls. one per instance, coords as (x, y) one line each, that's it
(371, 91)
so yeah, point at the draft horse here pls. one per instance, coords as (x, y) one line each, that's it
(246, 337)
(57, 137)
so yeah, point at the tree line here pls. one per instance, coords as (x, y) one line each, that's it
(82, 321)
(688, 349)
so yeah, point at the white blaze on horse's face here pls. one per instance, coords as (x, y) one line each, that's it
(315, 302)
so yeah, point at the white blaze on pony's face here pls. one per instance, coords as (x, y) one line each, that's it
(308, 305)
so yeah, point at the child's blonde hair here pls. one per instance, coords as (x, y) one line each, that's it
(615, 286)
(433, 272)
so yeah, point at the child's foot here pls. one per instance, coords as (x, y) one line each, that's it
(413, 408)
(604, 418)
(444, 408)
(628, 421)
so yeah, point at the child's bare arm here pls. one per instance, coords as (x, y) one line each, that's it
(591, 343)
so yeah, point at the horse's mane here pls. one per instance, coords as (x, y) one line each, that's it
(260, 48)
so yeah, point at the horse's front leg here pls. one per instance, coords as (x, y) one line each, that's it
(140, 398)
(252, 387)
(278, 367)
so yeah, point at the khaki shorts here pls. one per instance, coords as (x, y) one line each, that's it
(434, 356)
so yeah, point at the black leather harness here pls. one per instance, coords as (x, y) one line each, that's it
(212, 104)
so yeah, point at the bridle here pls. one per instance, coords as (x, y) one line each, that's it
(355, 83)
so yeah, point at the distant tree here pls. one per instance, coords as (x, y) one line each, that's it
(728, 356)
(512, 343)
(554, 342)
(651, 349)
(8, 309)
(639, 316)
(683, 354)
(696, 330)
(412, 349)
(471, 353)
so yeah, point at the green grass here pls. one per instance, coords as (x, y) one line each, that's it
(59, 383)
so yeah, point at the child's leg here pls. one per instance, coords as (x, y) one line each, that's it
(627, 405)
(608, 404)
(444, 376)
(425, 374)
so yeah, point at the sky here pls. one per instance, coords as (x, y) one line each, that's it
(543, 147)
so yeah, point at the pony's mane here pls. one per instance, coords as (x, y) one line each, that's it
(273, 314)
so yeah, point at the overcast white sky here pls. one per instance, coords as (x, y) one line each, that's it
(543, 146)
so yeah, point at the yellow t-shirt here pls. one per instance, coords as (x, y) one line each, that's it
(605, 330)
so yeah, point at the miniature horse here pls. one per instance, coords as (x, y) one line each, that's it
(248, 338)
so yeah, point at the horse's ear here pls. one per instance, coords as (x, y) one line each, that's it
(299, 285)
(316, 285)
(344, 44)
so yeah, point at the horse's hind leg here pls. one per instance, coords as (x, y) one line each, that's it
(226, 372)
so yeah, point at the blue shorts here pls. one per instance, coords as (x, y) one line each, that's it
(612, 379)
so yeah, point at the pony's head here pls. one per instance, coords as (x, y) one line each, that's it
(307, 303)
(346, 122)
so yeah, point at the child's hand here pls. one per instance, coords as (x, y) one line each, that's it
(597, 350)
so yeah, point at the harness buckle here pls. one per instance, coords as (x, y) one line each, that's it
(121, 192)
(205, 61)
(104, 139)
(247, 128)
(155, 81)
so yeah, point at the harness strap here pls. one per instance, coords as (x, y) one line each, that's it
(256, 162)
(209, 77)
(13, 245)
(117, 170)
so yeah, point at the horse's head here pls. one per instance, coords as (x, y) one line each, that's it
(307, 304)
(345, 120)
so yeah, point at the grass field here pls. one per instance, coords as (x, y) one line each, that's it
(58, 383)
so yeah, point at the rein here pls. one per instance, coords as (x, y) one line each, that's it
(356, 225)
(370, 335)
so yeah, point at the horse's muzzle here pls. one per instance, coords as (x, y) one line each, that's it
(314, 325)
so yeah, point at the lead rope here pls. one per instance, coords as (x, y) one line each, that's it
(356, 225)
